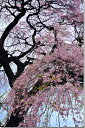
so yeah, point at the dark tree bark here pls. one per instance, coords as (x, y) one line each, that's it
(14, 121)
(5, 63)
(4, 60)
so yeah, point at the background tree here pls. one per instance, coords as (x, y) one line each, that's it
(33, 29)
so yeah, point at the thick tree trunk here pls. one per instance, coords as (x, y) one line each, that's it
(5, 63)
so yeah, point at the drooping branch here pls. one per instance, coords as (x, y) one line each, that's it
(14, 118)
